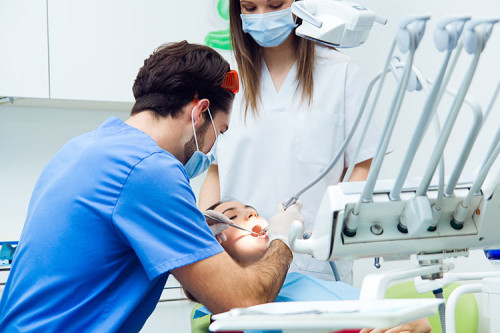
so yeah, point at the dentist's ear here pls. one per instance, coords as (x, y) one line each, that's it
(200, 106)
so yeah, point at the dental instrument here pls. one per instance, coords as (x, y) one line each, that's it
(410, 33)
(477, 116)
(446, 36)
(474, 43)
(227, 221)
(418, 208)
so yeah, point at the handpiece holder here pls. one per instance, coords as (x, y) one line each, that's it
(474, 28)
(414, 23)
(448, 31)
(410, 32)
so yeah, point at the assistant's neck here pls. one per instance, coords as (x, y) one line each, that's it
(279, 60)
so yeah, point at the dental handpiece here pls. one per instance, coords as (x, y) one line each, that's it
(244, 229)
(213, 218)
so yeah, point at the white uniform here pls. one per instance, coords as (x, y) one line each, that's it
(270, 157)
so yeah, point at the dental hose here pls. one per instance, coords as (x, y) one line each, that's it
(334, 270)
(293, 199)
(438, 293)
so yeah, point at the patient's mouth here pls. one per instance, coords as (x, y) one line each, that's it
(259, 231)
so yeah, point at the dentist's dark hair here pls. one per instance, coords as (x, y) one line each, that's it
(178, 72)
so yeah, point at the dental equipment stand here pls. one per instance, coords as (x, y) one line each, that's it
(467, 219)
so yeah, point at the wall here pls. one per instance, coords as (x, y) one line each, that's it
(30, 133)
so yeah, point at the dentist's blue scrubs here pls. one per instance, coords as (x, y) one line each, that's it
(300, 287)
(111, 214)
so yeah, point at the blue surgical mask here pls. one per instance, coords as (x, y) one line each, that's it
(269, 29)
(200, 162)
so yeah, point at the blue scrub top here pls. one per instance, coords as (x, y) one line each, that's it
(300, 287)
(111, 214)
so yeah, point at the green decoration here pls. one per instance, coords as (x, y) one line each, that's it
(219, 39)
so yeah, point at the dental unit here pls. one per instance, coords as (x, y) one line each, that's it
(397, 218)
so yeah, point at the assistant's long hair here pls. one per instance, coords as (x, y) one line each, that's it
(248, 55)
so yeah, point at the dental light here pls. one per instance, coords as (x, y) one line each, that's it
(336, 23)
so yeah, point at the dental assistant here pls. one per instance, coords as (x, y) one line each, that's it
(299, 102)
(113, 214)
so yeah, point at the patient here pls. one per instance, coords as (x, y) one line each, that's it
(246, 248)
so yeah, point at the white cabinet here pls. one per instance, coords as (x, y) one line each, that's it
(92, 50)
(23, 49)
(97, 47)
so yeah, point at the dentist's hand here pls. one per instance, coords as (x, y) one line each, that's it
(216, 226)
(279, 224)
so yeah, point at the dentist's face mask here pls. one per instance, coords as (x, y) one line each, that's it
(200, 162)
(269, 29)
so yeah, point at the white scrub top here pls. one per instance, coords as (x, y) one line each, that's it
(266, 159)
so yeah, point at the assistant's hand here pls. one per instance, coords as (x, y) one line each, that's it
(279, 224)
(417, 326)
(216, 226)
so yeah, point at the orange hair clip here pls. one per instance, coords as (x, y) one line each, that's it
(231, 82)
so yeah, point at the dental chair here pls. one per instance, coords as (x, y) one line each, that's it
(466, 312)
(200, 322)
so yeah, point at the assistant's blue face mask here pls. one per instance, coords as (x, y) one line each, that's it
(200, 162)
(269, 29)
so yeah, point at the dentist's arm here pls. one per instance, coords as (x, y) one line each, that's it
(221, 284)
(210, 189)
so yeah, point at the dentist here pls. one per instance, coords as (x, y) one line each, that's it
(113, 214)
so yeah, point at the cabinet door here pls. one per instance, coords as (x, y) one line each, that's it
(24, 69)
(97, 47)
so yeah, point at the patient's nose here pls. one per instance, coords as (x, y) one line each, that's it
(251, 213)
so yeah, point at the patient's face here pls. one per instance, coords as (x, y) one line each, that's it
(241, 245)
